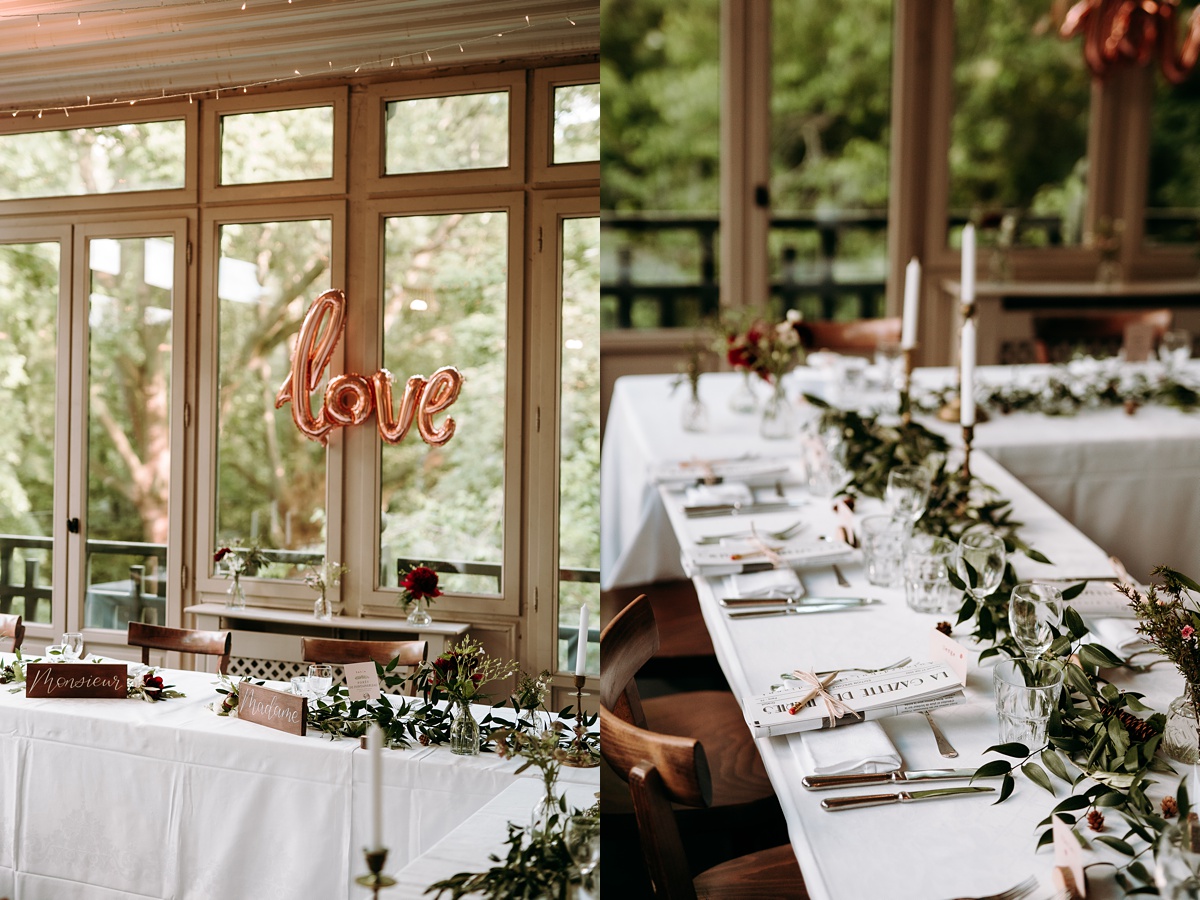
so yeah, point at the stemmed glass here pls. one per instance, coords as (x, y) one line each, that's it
(72, 646)
(1035, 610)
(980, 562)
(320, 679)
(582, 837)
(907, 492)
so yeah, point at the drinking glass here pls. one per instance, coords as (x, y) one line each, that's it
(927, 587)
(1034, 612)
(320, 679)
(1175, 349)
(72, 644)
(984, 553)
(889, 360)
(907, 492)
(1027, 691)
(883, 540)
(582, 837)
(1177, 862)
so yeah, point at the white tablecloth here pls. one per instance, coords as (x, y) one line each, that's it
(950, 848)
(101, 799)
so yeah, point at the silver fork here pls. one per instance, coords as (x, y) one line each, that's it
(782, 535)
(1016, 892)
(841, 579)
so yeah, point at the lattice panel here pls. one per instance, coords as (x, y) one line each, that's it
(280, 670)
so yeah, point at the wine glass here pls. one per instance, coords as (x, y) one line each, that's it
(72, 644)
(1034, 612)
(1175, 349)
(907, 492)
(582, 837)
(983, 553)
(320, 679)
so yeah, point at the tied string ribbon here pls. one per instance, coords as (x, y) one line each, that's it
(761, 548)
(708, 475)
(833, 706)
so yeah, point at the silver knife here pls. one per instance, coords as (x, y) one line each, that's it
(833, 804)
(728, 509)
(801, 600)
(815, 605)
(824, 782)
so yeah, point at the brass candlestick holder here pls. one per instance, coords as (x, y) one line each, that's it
(375, 879)
(578, 755)
(906, 387)
(968, 434)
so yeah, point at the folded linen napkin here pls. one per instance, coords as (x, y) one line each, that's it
(862, 748)
(767, 585)
(1119, 635)
(716, 494)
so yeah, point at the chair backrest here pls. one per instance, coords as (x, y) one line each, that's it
(661, 769)
(860, 336)
(184, 640)
(1056, 338)
(339, 652)
(626, 644)
(12, 626)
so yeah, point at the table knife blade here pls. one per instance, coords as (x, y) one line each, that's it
(729, 509)
(833, 804)
(812, 605)
(825, 782)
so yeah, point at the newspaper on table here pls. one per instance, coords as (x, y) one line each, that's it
(752, 470)
(913, 688)
(794, 554)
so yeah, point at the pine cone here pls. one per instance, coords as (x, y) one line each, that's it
(1095, 820)
(1139, 729)
(423, 739)
(945, 628)
(1170, 807)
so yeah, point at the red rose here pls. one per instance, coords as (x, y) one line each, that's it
(220, 554)
(421, 582)
(477, 678)
(152, 681)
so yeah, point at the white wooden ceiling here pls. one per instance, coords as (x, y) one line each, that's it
(56, 54)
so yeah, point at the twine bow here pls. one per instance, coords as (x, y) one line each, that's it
(835, 707)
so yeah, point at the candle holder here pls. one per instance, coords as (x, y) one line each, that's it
(906, 387)
(578, 756)
(951, 410)
(375, 879)
(968, 435)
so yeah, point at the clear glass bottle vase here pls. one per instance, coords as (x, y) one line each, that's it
(464, 731)
(323, 608)
(694, 416)
(1181, 737)
(548, 807)
(420, 613)
(743, 399)
(235, 597)
(779, 419)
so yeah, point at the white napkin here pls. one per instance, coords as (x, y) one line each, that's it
(1119, 635)
(715, 494)
(767, 585)
(860, 749)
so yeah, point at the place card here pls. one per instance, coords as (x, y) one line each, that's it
(945, 649)
(1139, 342)
(96, 680)
(275, 709)
(1068, 855)
(362, 682)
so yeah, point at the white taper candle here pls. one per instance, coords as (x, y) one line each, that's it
(581, 656)
(375, 747)
(967, 358)
(912, 296)
(968, 264)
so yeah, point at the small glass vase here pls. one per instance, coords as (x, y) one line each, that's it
(547, 808)
(1180, 741)
(694, 416)
(323, 608)
(235, 597)
(464, 731)
(779, 416)
(743, 399)
(420, 613)
(1177, 861)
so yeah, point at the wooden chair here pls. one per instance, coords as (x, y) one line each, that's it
(11, 626)
(685, 649)
(664, 769)
(338, 652)
(183, 640)
(739, 781)
(1057, 338)
(859, 337)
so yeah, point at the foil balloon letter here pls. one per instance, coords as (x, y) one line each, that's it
(442, 390)
(393, 428)
(313, 350)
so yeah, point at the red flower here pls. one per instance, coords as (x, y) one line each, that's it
(1186, 632)
(220, 554)
(152, 681)
(421, 582)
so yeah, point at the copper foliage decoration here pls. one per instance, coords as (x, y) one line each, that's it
(1117, 32)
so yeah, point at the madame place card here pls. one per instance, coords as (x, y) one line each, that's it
(275, 709)
(362, 681)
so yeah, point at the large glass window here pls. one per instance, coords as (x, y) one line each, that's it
(576, 123)
(270, 478)
(281, 145)
(445, 302)
(439, 134)
(1173, 182)
(29, 288)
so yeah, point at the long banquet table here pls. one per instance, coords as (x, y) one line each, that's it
(105, 799)
(951, 848)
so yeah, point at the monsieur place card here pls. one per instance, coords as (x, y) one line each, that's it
(275, 709)
(97, 680)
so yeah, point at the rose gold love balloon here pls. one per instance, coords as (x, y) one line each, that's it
(314, 348)
(442, 390)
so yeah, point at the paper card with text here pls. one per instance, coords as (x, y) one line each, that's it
(1068, 854)
(275, 709)
(1139, 342)
(362, 682)
(945, 649)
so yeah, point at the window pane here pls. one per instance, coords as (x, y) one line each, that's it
(579, 436)
(129, 452)
(270, 477)
(284, 145)
(438, 134)
(576, 123)
(28, 340)
(148, 156)
(1018, 147)
(1173, 189)
(445, 303)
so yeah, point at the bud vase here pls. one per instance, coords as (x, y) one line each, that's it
(743, 399)
(1179, 739)
(323, 608)
(548, 808)
(419, 615)
(464, 731)
(694, 416)
(235, 597)
(779, 416)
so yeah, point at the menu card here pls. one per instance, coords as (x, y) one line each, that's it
(913, 688)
